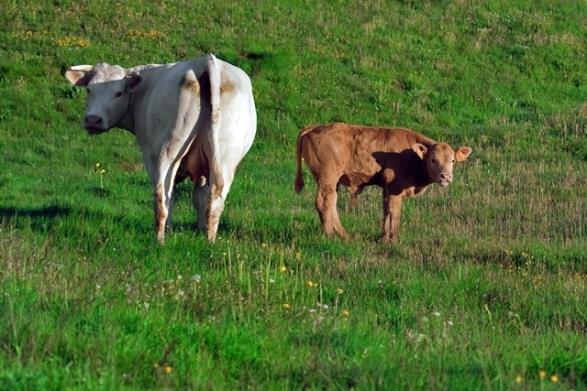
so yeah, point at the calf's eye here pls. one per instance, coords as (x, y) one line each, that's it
(118, 94)
(433, 160)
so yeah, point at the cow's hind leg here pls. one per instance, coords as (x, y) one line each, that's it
(219, 187)
(162, 175)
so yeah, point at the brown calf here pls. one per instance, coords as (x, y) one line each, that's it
(401, 161)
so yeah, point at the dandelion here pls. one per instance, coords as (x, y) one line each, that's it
(542, 374)
(311, 284)
(286, 306)
(519, 379)
(346, 313)
(98, 169)
(167, 369)
(554, 378)
(283, 268)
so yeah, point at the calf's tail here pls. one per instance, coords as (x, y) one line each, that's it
(299, 181)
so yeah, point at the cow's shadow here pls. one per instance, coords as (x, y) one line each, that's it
(47, 212)
(48, 218)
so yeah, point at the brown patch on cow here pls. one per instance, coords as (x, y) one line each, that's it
(160, 209)
(227, 87)
(399, 160)
(191, 82)
(216, 191)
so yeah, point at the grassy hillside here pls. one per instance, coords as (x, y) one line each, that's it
(487, 288)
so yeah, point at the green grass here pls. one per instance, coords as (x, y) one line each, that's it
(488, 282)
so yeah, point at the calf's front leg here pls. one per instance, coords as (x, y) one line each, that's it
(392, 207)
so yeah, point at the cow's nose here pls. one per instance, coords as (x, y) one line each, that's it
(93, 121)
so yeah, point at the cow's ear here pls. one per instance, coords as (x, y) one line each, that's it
(462, 153)
(420, 150)
(79, 75)
(133, 81)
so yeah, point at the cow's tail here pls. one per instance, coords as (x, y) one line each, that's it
(299, 181)
(215, 120)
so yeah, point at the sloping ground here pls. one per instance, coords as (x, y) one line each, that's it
(486, 289)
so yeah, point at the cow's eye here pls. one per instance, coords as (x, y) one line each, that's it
(118, 94)
(453, 160)
(433, 160)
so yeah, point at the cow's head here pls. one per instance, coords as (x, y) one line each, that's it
(109, 88)
(440, 159)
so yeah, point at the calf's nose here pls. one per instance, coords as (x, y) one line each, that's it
(93, 121)
(445, 176)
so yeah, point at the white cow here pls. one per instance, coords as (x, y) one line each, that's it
(197, 115)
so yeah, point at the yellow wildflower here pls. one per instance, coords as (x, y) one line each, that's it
(346, 313)
(519, 379)
(339, 291)
(167, 369)
(286, 306)
(542, 374)
(282, 268)
(311, 284)
(554, 378)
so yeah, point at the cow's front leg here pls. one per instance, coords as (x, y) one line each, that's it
(392, 207)
(200, 199)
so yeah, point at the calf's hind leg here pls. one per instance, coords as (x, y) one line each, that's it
(326, 206)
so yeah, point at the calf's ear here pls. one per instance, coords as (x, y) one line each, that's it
(133, 81)
(420, 150)
(462, 153)
(79, 75)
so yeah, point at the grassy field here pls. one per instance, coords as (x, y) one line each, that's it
(487, 288)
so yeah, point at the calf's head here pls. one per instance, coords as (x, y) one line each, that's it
(440, 159)
(109, 88)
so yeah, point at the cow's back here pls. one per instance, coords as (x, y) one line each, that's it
(237, 123)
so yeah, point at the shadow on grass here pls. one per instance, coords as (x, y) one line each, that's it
(49, 212)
